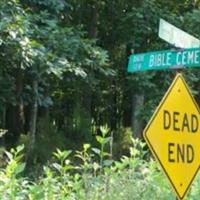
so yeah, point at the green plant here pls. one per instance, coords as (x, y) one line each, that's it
(103, 141)
(48, 139)
(11, 181)
(131, 178)
(64, 164)
(15, 166)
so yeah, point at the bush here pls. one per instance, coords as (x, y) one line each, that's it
(122, 142)
(130, 178)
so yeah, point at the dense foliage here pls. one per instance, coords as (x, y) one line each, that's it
(95, 177)
(65, 64)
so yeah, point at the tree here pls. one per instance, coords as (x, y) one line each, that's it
(41, 49)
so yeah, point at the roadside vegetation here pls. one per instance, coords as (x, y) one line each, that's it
(89, 174)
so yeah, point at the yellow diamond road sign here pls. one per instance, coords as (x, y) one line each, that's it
(173, 135)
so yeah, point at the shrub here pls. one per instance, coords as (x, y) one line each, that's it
(96, 177)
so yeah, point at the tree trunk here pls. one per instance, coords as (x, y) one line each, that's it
(93, 32)
(137, 123)
(33, 120)
(14, 116)
(87, 95)
(127, 98)
(113, 112)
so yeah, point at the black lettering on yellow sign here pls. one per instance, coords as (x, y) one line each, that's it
(180, 153)
(180, 121)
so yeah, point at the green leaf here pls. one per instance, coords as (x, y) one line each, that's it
(100, 139)
(107, 163)
(104, 130)
(20, 168)
(9, 155)
(86, 147)
(97, 151)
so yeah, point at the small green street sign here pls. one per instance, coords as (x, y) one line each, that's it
(169, 59)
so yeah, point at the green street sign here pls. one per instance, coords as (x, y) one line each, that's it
(159, 60)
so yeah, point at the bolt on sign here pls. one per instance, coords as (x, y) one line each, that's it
(173, 135)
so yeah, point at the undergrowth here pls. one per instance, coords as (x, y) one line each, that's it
(89, 174)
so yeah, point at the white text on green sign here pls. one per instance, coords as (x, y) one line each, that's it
(160, 60)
